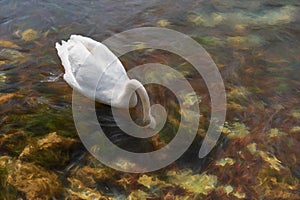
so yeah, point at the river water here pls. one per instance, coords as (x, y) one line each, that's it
(255, 45)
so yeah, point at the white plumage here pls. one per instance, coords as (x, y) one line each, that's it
(94, 71)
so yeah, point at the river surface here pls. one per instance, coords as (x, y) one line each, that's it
(255, 45)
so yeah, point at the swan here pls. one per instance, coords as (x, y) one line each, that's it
(87, 61)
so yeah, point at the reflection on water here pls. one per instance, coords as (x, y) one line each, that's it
(256, 46)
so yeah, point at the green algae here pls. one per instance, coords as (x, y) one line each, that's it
(7, 191)
(196, 183)
(151, 182)
(46, 120)
(13, 143)
(163, 23)
(236, 130)
(52, 151)
(275, 132)
(225, 161)
(295, 129)
(34, 181)
(210, 41)
(295, 113)
(228, 189)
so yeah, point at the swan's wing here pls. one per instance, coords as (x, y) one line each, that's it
(114, 78)
(81, 69)
(89, 43)
(93, 70)
(63, 54)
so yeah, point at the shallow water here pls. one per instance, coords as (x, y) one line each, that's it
(255, 45)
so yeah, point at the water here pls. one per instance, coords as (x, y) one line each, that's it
(255, 45)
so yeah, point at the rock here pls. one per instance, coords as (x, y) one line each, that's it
(29, 35)
(34, 181)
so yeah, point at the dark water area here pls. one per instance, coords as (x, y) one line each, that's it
(255, 45)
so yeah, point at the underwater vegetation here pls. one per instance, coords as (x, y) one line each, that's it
(255, 45)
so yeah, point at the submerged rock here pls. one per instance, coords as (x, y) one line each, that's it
(29, 35)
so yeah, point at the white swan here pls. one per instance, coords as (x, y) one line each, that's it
(85, 60)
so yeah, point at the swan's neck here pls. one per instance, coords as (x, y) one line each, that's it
(135, 86)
